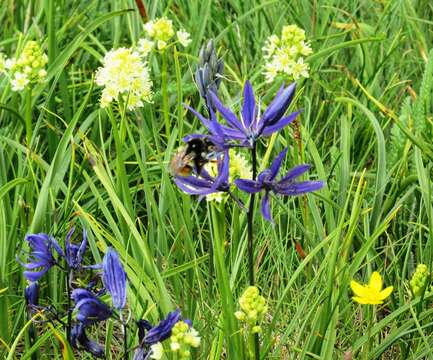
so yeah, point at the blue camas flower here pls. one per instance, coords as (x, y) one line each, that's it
(285, 186)
(150, 336)
(90, 309)
(41, 257)
(223, 137)
(251, 125)
(162, 331)
(206, 184)
(74, 253)
(114, 278)
(79, 339)
(31, 294)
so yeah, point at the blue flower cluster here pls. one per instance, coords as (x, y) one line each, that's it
(245, 131)
(91, 310)
(45, 253)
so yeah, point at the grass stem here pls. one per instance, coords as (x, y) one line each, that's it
(68, 290)
(28, 115)
(165, 105)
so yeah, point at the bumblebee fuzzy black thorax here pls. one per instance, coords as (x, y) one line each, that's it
(192, 157)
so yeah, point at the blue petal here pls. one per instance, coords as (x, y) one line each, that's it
(294, 173)
(264, 176)
(83, 248)
(91, 310)
(206, 176)
(55, 244)
(114, 278)
(216, 128)
(204, 121)
(143, 326)
(31, 294)
(39, 240)
(221, 182)
(80, 294)
(249, 186)
(233, 133)
(34, 276)
(192, 190)
(249, 105)
(278, 106)
(34, 265)
(269, 130)
(46, 256)
(265, 207)
(79, 339)
(93, 267)
(227, 114)
(68, 245)
(276, 164)
(299, 188)
(162, 331)
(195, 181)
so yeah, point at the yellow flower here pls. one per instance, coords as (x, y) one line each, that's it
(419, 280)
(372, 293)
(253, 307)
(161, 45)
(183, 336)
(28, 68)
(160, 29)
(239, 168)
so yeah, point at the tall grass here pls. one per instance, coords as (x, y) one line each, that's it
(366, 128)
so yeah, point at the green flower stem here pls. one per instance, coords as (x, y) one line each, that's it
(250, 219)
(179, 92)
(370, 315)
(164, 85)
(234, 347)
(31, 337)
(252, 346)
(125, 336)
(68, 291)
(119, 139)
(28, 115)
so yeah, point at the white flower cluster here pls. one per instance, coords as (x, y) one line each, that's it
(27, 69)
(124, 75)
(159, 33)
(285, 55)
(156, 351)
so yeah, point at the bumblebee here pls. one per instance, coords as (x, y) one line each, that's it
(192, 157)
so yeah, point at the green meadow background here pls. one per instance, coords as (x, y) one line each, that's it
(366, 128)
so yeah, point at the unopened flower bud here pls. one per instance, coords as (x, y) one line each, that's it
(419, 280)
(256, 329)
(31, 294)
